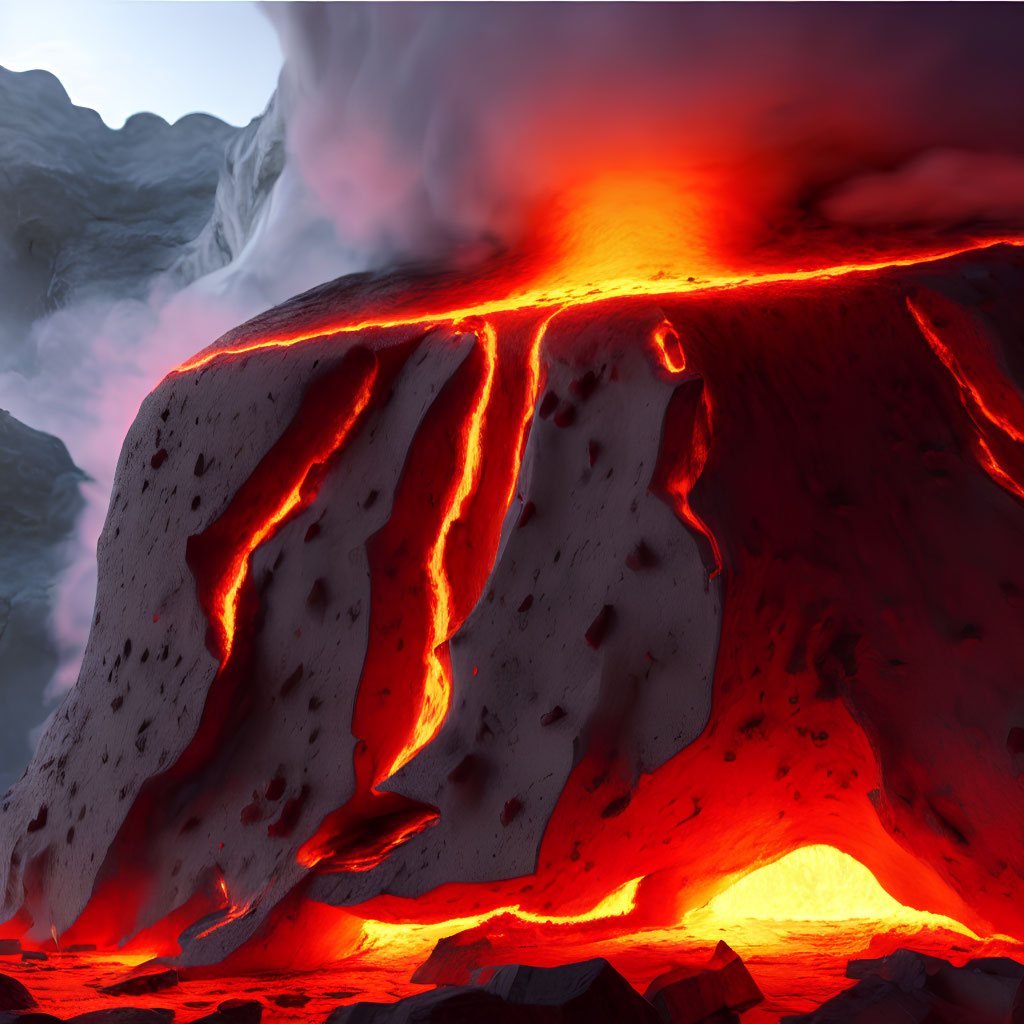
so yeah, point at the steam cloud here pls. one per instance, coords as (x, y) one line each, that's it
(422, 127)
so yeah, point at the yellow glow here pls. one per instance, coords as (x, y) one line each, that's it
(815, 883)
(618, 227)
(406, 935)
(565, 293)
(437, 685)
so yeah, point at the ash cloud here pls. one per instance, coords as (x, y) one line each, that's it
(425, 127)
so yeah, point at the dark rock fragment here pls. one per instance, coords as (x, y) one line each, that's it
(453, 961)
(290, 999)
(556, 714)
(548, 404)
(592, 992)
(234, 1011)
(641, 557)
(686, 996)
(143, 984)
(10, 947)
(566, 415)
(511, 810)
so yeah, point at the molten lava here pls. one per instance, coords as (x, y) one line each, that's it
(437, 686)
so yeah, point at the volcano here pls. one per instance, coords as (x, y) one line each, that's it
(431, 605)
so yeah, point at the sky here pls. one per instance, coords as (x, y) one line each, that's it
(170, 57)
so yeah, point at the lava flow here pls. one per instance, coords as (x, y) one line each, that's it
(437, 685)
(536, 618)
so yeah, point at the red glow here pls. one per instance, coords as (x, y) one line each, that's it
(548, 294)
(985, 392)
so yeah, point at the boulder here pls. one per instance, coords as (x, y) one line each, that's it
(142, 984)
(686, 996)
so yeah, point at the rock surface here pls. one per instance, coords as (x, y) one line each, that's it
(581, 598)
(685, 996)
(88, 215)
(909, 986)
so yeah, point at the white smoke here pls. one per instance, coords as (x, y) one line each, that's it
(423, 126)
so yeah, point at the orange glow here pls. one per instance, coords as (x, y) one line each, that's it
(226, 599)
(669, 347)
(437, 685)
(618, 228)
(397, 937)
(643, 266)
(533, 371)
(689, 461)
(548, 294)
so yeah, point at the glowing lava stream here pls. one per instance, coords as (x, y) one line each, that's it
(229, 912)
(619, 902)
(669, 349)
(986, 458)
(437, 684)
(228, 592)
(582, 295)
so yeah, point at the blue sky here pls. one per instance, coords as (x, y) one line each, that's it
(171, 57)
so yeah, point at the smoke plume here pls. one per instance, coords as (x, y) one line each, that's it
(426, 127)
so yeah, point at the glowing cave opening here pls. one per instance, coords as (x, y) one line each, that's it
(815, 883)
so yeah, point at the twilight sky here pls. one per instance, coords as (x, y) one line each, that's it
(171, 57)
